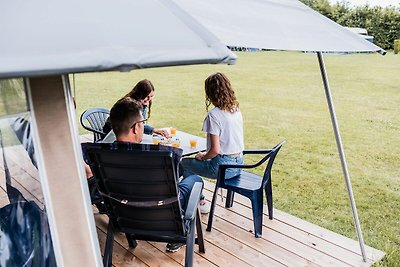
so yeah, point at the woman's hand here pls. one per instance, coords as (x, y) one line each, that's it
(161, 132)
(199, 156)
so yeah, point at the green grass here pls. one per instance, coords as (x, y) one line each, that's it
(282, 97)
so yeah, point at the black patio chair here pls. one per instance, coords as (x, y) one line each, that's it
(139, 187)
(93, 119)
(249, 185)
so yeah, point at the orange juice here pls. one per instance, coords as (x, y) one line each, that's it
(193, 143)
(156, 140)
(173, 131)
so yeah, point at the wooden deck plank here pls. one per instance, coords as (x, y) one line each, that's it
(313, 242)
(280, 239)
(238, 249)
(3, 196)
(338, 249)
(24, 175)
(121, 255)
(317, 231)
(259, 245)
(198, 259)
(151, 253)
(329, 236)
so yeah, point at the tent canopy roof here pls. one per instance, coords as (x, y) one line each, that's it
(43, 37)
(275, 25)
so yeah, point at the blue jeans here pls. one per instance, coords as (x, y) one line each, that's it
(185, 188)
(209, 168)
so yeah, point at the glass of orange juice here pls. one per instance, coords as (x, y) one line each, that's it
(193, 142)
(173, 131)
(156, 140)
(176, 142)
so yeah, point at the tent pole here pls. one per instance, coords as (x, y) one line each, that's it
(341, 153)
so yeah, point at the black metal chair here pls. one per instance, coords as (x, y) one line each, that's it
(93, 119)
(249, 185)
(139, 187)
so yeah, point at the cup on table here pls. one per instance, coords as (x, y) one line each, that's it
(156, 140)
(173, 131)
(162, 140)
(176, 142)
(193, 142)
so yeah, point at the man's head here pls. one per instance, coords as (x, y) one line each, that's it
(127, 120)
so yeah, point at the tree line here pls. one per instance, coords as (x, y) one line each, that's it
(382, 23)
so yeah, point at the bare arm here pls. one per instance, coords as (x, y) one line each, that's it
(213, 151)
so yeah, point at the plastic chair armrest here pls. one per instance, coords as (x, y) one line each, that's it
(93, 130)
(193, 202)
(256, 151)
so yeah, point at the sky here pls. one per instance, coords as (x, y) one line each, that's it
(382, 3)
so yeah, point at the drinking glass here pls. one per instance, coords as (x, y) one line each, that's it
(193, 142)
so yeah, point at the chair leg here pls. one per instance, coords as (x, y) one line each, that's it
(268, 193)
(229, 199)
(257, 208)
(108, 248)
(199, 231)
(210, 216)
(132, 242)
(190, 245)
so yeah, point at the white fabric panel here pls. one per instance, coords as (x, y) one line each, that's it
(42, 37)
(275, 25)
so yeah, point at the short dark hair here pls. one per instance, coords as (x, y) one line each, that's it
(124, 114)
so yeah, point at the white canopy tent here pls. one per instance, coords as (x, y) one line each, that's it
(45, 37)
(45, 40)
(274, 25)
(284, 25)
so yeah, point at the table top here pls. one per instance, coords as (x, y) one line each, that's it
(183, 137)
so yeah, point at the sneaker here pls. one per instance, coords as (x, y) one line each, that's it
(204, 207)
(174, 247)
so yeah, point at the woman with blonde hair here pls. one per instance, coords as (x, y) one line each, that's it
(224, 128)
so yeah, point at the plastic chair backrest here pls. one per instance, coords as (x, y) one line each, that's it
(93, 119)
(271, 155)
(132, 175)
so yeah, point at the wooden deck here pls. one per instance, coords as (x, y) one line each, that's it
(286, 241)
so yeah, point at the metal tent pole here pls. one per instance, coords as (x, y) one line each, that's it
(341, 153)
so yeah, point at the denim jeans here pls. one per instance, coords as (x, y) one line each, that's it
(209, 168)
(185, 188)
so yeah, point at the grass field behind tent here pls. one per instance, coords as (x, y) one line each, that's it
(282, 98)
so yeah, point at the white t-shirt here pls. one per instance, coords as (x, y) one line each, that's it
(228, 126)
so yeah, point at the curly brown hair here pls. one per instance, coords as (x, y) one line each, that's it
(141, 90)
(220, 93)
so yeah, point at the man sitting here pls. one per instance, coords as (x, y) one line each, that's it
(128, 125)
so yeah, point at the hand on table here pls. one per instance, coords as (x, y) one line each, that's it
(161, 132)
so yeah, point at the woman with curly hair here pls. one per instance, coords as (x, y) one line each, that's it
(224, 128)
(143, 92)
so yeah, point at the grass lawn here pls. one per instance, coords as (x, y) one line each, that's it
(282, 98)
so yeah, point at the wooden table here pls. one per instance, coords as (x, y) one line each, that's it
(183, 137)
